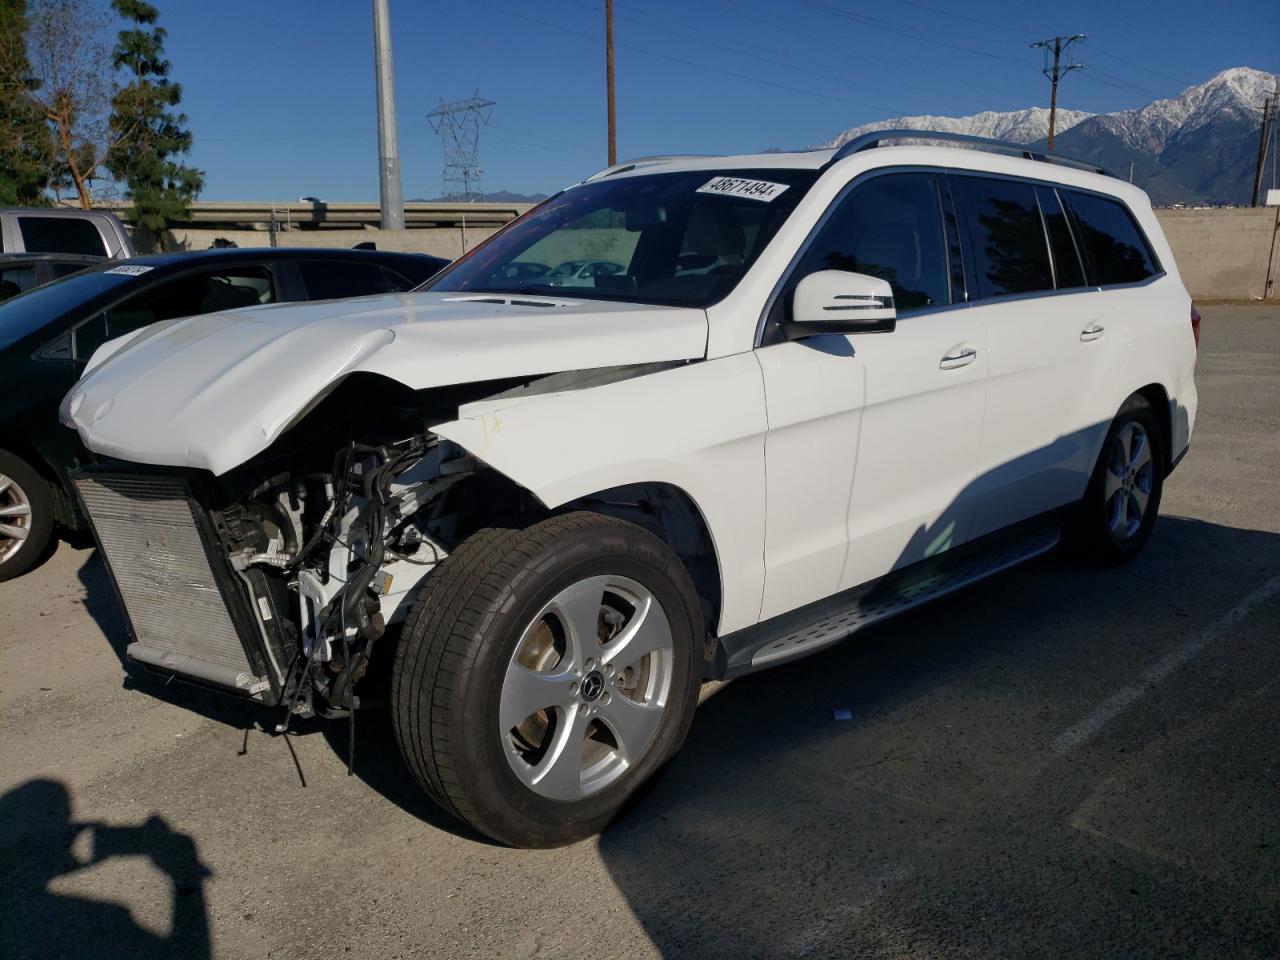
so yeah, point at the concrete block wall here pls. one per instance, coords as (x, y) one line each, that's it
(1225, 254)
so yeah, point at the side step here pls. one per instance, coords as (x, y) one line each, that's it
(791, 636)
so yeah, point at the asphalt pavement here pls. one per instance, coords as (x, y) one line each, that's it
(1054, 763)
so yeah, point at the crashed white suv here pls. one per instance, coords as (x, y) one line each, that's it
(827, 387)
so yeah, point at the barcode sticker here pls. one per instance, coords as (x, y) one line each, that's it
(130, 270)
(761, 190)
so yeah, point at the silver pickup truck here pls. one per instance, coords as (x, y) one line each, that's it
(94, 233)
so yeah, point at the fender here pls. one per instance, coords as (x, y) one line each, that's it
(699, 427)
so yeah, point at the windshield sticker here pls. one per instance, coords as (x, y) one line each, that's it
(130, 270)
(761, 190)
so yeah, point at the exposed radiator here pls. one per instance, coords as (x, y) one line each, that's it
(148, 530)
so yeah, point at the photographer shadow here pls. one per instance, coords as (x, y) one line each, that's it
(39, 841)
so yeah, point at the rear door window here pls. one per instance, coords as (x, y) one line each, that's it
(1067, 269)
(1114, 247)
(888, 227)
(1006, 235)
(61, 235)
(338, 279)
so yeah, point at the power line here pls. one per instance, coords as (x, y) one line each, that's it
(842, 42)
(1058, 45)
(665, 25)
(505, 11)
(901, 29)
(1138, 66)
(1023, 31)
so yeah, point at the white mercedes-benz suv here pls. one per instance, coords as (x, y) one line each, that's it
(825, 388)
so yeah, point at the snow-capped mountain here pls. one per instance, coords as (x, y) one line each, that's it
(1020, 126)
(1199, 146)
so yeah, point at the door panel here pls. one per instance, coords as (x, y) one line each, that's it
(815, 392)
(1048, 346)
(1039, 436)
(912, 493)
(872, 437)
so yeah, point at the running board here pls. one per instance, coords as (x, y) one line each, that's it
(794, 635)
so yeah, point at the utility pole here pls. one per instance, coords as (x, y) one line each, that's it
(608, 69)
(390, 193)
(1262, 152)
(1059, 46)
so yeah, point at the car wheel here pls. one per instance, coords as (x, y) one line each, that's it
(26, 516)
(1119, 509)
(545, 673)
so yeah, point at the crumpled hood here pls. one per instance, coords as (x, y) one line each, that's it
(214, 390)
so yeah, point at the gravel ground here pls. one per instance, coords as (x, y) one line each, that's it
(1054, 763)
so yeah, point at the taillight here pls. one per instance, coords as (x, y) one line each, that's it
(1195, 325)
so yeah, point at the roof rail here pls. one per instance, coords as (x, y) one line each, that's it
(629, 164)
(876, 138)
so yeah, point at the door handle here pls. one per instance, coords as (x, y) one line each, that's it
(1092, 332)
(960, 357)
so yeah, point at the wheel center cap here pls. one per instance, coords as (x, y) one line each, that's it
(592, 686)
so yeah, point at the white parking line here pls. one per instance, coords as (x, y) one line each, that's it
(1122, 699)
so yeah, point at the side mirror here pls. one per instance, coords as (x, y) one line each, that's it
(838, 301)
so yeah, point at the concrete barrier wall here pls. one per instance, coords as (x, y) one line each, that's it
(448, 242)
(1225, 254)
(1221, 254)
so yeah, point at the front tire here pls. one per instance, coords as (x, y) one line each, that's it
(1115, 519)
(546, 673)
(26, 516)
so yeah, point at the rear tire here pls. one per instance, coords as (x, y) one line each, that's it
(1115, 519)
(26, 516)
(544, 674)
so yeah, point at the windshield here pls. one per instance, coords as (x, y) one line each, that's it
(41, 306)
(683, 239)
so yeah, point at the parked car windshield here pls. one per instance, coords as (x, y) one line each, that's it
(41, 306)
(683, 239)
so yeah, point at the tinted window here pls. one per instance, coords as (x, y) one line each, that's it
(1006, 235)
(89, 336)
(396, 283)
(188, 296)
(889, 227)
(1066, 259)
(61, 235)
(16, 280)
(46, 304)
(336, 279)
(67, 269)
(1113, 245)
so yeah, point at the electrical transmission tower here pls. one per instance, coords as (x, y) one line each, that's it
(1058, 70)
(459, 125)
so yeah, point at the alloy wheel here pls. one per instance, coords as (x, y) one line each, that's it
(1128, 482)
(15, 517)
(587, 687)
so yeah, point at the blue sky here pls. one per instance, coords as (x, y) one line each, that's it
(280, 93)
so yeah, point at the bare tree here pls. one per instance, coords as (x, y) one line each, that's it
(70, 60)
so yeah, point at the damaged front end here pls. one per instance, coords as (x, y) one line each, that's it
(278, 580)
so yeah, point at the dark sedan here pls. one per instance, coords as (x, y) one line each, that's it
(48, 334)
